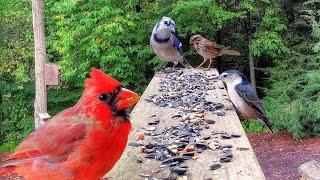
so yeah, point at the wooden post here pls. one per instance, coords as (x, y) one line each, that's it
(40, 105)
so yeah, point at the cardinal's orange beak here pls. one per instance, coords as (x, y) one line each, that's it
(125, 99)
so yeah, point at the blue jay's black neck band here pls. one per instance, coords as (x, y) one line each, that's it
(159, 40)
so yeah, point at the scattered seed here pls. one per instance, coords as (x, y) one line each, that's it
(189, 148)
(173, 176)
(188, 154)
(199, 151)
(225, 159)
(150, 156)
(154, 122)
(144, 175)
(226, 146)
(178, 170)
(201, 146)
(182, 178)
(173, 159)
(150, 128)
(139, 136)
(220, 113)
(215, 166)
(235, 135)
(141, 149)
(242, 149)
(139, 159)
(148, 151)
(134, 144)
(206, 137)
(195, 157)
(225, 136)
(210, 121)
(150, 145)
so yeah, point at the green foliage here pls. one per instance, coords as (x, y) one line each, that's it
(16, 119)
(16, 72)
(267, 39)
(209, 16)
(103, 34)
(252, 126)
(294, 95)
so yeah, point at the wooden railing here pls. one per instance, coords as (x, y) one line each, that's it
(243, 166)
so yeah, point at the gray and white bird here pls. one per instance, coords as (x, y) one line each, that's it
(243, 97)
(165, 44)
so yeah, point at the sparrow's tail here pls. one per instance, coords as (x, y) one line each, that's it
(267, 123)
(230, 52)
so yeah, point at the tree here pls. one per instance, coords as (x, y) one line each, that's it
(40, 104)
(294, 91)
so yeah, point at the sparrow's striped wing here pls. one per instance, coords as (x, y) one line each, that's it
(208, 49)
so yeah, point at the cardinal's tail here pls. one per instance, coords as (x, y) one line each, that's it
(230, 52)
(267, 123)
(5, 170)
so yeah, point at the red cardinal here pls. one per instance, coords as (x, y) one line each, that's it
(82, 142)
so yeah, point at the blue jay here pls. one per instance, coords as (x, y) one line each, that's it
(243, 97)
(165, 44)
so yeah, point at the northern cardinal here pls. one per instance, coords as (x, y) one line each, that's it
(209, 50)
(81, 142)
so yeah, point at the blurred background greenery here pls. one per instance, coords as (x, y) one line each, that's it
(114, 36)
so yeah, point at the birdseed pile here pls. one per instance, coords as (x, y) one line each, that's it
(176, 144)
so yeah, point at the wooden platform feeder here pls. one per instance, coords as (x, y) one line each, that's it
(244, 165)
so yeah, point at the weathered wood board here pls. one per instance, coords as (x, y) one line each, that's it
(243, 166)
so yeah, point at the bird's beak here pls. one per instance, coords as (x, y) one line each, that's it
(125, 99)
(173, 30)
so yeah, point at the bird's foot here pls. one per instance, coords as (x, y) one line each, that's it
(168, 70)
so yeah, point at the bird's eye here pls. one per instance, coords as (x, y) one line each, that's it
(104, 97)
(165, 22)
(225, 76)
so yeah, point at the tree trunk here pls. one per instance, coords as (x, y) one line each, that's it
(40, 105)
(250, 56)
(218, 61)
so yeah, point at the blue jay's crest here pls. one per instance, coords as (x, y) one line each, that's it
(166, 22)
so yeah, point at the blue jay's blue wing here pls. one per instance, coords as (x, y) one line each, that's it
(177, 44)
(250, 97)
